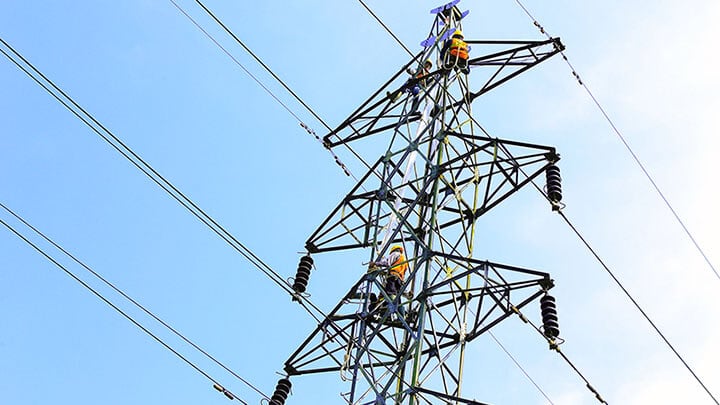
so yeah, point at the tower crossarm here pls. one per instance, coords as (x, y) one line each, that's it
(503, 61)
(495, 166)
(506, 64)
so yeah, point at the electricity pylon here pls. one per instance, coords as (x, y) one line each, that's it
(439, 174)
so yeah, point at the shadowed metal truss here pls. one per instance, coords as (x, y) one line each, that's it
(439, 174)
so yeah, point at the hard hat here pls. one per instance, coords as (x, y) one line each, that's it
(458, 33)
(396, 247)
(428, 61)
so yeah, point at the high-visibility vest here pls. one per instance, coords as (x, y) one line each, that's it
(399, 267)
(459, 48)
(420, 76)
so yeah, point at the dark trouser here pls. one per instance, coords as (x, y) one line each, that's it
(457, 63)
(392, 288)
(392, 285)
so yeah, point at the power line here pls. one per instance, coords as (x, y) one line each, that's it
(306, 127)
(64, 99)
(556, 347)
(113, 306)
(133, 301)
(520, 367)
(258, 60)
(635, 303)
(627, 146)
(625, 291)
(151, 173)
(237, 62)
(386, 27)
(667, 203)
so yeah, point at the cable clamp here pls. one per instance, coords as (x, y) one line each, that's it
(225, 392)
(577, 76)
(597, 394)
(337, 159)
(537, 24)
(517, 311)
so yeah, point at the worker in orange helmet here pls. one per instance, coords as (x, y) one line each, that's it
(455, 52)
(416, 82)
(396, 265)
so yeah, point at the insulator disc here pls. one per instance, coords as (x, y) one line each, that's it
(552, 170)
(300, 286)
(549, 311)
(282, 390)
(550, 318)
(553, 173)
(552, 331)
(303, 274)
(554, 183)
(547, 300)
(285, 384)
(551, 326)
(547, 305)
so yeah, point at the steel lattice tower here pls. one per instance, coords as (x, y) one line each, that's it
(440, 173)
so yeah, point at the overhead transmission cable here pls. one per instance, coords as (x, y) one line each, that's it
(258, 60)
(553, 346)
(556, 347)
(133, 301)
(369, 10)
(624, 290)
(237, 62)
(520, 367)
(306, 127)
(662, 336)
(657, 189)
(72, 106)
(120, 311)
(627, 146)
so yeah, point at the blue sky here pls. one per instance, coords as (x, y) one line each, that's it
(144, 71)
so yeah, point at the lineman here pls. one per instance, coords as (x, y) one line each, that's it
(396, 265)
(415, 83)
(455, 52)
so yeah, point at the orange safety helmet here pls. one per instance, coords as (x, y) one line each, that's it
(397, 247)
(458, 33)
